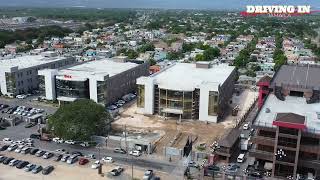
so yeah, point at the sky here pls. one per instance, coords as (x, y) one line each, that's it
(166, 4)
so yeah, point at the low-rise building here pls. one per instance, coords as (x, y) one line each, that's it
(198, 91)
(103, 81)
(287, 125)
(19, 74)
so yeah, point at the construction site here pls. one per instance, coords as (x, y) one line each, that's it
(169, 132)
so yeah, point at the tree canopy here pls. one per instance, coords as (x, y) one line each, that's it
(80, 120)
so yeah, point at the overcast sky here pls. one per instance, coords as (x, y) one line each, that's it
(171, 4)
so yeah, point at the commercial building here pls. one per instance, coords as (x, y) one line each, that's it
(103, 81)
(198, 91)
(19, 74)
(287, 136)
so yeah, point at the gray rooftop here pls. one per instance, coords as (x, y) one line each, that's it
(303, 76)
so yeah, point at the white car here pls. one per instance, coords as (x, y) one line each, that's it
(135, 153)
(18, 142)
(61, 151)
(57, 140)
(107, 159)
(246, 126)
(18, 150)
(12, 147)
(95, 165)
(69, 142)
(28, 140)
(21, 96)
(7, 140)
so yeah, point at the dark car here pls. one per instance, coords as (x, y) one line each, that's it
(34, 151)
(4, 147)
(7, 161)
(2, 158)
(119, 150)
(2, 128)
(29, 125)
(22, 164)
(255, 174)
(47, 170)
(35, 136)
(57, 157)
(37, 169)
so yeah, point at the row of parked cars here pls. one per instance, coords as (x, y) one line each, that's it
(122, 101)
(28, 167)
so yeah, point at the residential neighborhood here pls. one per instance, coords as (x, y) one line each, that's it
(99, 93)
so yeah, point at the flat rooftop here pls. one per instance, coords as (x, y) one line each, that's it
(296, 105)
(306, 76)
(26, 61)
(186, 77)
(98, 68)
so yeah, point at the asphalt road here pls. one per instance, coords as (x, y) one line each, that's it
(19, 132)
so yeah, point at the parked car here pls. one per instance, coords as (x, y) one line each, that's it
(83, 161)
(4, 147)
(47, 170)
(7, 140)
(107, 159)
(29, 125)
(14, 162)
(65, 157)
(119, 150)
(2, 158)
(57, 157)
(72, 159)
(22, 164)
(33, 151)
(116, 171)
(35, 136)
(18, 150)
(47, 155)
(91, 156)
(148, 174)
(29, 167)
(96, 164)
(70, 142)
(77, 152)
(12, 147)
(193, 164)
(21, 96)
(7, 160)
(57, 140)
(61, 151)
(135, 153)
(40, 153)
(37, 169)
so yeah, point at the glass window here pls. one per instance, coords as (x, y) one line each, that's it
(213, 103)
(141, 95)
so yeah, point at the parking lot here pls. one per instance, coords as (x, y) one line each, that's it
(64, 171)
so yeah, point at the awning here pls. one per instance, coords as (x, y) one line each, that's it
(67, 99)
(172, 111)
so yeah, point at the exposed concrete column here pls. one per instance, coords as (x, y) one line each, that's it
(274, 152)
(297, 155)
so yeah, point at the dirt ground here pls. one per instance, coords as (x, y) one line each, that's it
(64, 171)
(176, 134)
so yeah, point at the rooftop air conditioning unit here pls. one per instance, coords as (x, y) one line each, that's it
(268, 110)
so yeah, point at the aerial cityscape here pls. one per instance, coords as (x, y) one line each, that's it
(150, 90)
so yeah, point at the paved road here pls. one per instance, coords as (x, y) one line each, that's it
(19, 132)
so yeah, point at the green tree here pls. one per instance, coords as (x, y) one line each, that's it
(80, 120)
(199, 57)
(211, 53)
(146, 47)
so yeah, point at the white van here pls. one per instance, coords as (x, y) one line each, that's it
(240, 158)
